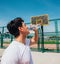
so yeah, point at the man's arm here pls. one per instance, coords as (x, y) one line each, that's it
(34, 39)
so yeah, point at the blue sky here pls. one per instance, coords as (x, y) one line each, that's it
(10, 9)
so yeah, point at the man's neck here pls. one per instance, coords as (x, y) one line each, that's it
(20, 39)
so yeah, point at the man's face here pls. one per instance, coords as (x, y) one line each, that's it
(25, 30)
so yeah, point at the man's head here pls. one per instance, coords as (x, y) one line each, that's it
(17, 27)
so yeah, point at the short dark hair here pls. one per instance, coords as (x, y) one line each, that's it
(13, 25)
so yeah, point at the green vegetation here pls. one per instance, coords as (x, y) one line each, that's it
(49, 42)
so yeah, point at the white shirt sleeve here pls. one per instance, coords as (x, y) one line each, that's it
(10, 56)
(27, 41)
(6, 59)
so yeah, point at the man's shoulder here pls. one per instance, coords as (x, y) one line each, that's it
(12, 48)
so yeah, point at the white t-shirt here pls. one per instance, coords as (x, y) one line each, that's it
(17, 53)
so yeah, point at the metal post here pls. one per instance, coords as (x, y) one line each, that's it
(39, 39)
(57, 41)
(2, 37)
(42, 44)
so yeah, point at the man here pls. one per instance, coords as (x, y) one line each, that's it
(18, 52)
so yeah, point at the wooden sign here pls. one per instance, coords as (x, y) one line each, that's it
(42, 20)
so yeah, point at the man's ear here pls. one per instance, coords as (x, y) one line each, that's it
(20, 29)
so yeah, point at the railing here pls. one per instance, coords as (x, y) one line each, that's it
(51, 36)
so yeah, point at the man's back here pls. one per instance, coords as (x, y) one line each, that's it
(17, 53)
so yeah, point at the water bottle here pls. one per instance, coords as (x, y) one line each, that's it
(31, 28)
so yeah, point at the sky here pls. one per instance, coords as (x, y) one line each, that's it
(10, 9)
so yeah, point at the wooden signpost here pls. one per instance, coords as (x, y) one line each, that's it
(40, 20)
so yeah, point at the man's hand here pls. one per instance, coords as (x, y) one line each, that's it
(34, 39)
